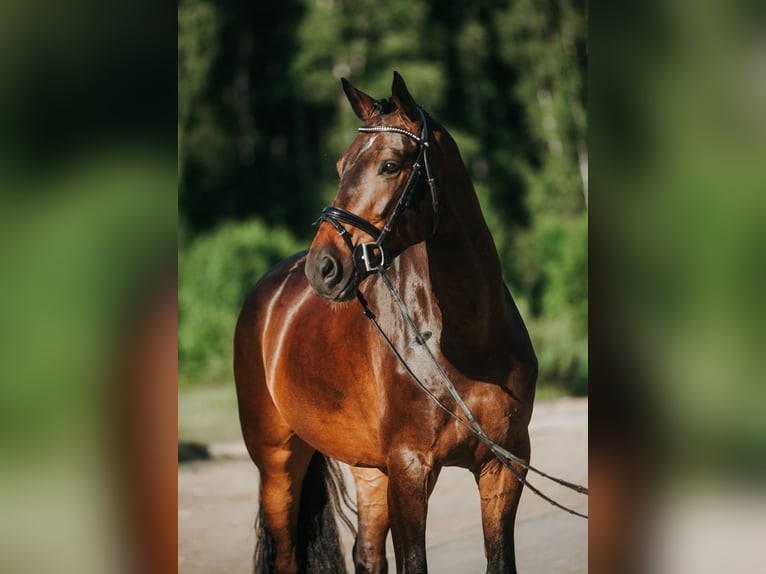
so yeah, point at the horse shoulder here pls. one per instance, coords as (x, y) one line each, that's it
(262, 297)
(258, 316)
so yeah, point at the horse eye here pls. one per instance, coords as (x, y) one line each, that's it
(390, 167)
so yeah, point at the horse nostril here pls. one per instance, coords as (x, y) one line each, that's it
(327, 267)
(330, 270)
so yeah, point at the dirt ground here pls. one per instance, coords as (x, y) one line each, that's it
(217, 502)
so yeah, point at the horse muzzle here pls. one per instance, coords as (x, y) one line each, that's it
(331, 276)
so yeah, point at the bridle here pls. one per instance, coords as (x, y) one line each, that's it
(363, 258)
(365, 261)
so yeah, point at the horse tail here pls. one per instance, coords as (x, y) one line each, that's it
(323, 497)
(263, 561)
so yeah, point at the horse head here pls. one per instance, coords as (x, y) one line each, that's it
(383, 204)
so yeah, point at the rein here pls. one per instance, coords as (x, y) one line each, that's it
(364, 262)
(504, 456)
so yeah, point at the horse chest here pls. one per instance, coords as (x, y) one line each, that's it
(331, 404)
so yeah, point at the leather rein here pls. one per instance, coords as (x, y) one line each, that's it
(365, 263)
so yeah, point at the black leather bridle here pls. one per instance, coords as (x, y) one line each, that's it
(365, 260)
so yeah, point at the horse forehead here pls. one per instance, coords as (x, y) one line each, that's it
(369, 142)
(367, 146)
(371, 145)
(351, 158)
(354, 151)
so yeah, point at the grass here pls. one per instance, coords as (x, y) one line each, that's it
(550, 392)
(208, 414)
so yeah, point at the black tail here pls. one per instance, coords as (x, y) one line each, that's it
(318, 542)
(264, 543)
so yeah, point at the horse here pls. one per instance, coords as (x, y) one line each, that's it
(317, 383)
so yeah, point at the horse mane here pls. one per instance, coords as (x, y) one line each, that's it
(383, 106)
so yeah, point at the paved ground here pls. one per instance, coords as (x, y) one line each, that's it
(217, 503)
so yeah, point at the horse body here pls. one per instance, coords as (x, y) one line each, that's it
(313, 375)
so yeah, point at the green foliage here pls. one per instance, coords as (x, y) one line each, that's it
(198, 28)
(262, 120)
(215, 274)
(559, 327)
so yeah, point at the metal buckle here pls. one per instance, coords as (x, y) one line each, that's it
(367, 256)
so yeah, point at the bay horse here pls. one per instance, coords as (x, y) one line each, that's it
(316, 383)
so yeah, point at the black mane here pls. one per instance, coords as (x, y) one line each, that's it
(384, 106)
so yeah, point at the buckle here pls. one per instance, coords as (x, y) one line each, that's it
(365, 258)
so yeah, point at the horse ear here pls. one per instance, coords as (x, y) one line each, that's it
(402, 98)
(361, 103)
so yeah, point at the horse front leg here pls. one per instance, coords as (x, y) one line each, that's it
(282, 470)
(500, 491)
(372, 505)
(411, 480)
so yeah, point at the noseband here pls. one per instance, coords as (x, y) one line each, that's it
(364, 258)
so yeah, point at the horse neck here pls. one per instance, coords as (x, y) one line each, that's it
(465, 272)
